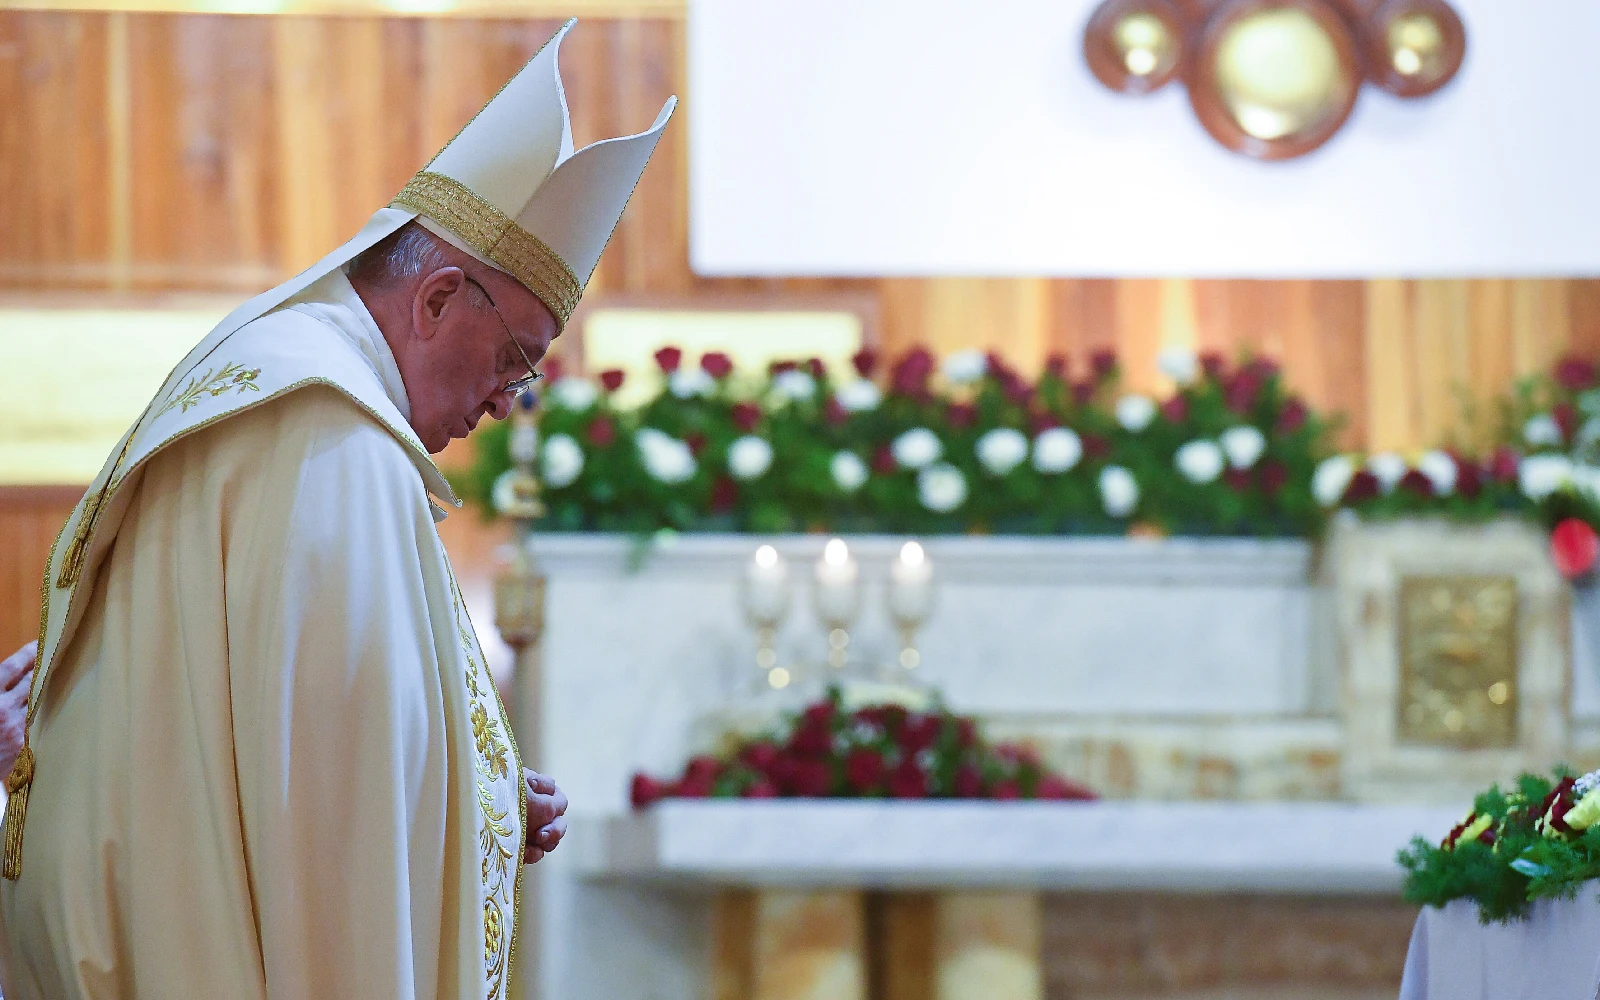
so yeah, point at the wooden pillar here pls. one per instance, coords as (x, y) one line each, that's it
(986, 946)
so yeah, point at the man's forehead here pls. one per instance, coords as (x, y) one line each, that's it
(527, 313)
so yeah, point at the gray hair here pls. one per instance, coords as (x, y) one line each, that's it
(401, 258)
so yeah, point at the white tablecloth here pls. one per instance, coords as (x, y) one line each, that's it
(1553, 955)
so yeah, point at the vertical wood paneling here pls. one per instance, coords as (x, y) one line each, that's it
(29, 521)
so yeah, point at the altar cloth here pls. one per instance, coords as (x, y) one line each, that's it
(1553, 955)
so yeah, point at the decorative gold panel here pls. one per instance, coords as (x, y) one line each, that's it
(1458, 661)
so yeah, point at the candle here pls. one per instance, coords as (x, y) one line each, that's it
(838, 585)
(911, 585)
(766, 587)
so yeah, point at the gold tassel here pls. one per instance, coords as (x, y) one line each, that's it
(18, 783)
(72, 562)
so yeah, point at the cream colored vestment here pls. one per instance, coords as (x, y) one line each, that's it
(270, 759)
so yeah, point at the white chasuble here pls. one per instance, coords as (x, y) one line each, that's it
(268, 759)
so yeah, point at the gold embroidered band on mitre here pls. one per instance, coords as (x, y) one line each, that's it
(497, 237)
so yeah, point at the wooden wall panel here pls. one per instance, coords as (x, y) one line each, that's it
(30, 518)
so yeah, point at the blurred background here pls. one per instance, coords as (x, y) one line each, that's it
(1342, 251)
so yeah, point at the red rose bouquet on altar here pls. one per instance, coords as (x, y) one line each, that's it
(880, 751)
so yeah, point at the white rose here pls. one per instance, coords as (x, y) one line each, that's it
(794, 384)
(1119, 491)
(686, 383)
(1056, 450)
(1389, 469)
(560, 461)
(1134, 412)
(1179, 364)
(849, 471)
(1542, 431)
(941, 487)
(1002, 450)
(1199, 461)
(916, 448)
(1332, 478)
(749, 457)
(1440, 470)
(1541, 475)
(859, 396)
(524, 443)
(1243, 445)
(1587, 479)
(965, 367)
(665, 457)
(574, 393)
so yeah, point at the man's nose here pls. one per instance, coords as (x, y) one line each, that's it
(499, 405)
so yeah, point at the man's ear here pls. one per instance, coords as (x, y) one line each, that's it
(435, 297)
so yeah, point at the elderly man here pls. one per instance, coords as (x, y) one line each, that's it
(263, 755)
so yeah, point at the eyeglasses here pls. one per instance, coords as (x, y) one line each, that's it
(515, 387)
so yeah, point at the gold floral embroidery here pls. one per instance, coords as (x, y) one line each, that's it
(232, 377)
(499, 833)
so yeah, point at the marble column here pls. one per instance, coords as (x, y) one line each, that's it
(788, 944)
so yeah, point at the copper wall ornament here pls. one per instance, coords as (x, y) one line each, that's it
(1275, 79)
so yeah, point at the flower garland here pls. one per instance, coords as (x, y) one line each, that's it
(880, 751)
(1540, 840)
(1544, 467)
(969, 445)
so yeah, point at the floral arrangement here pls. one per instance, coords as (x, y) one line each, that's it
(1544, 466)
(879, 751)
(969, 445)
(1539, 840)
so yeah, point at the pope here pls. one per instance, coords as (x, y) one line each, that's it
(262, 754)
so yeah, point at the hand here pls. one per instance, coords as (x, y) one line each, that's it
(547, 816)
(16, 677)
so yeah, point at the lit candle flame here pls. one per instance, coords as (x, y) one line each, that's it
(766, 557)
(836, 553)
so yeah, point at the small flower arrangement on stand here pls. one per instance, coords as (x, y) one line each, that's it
(879, 751)
(1540, 840)
(969, 445)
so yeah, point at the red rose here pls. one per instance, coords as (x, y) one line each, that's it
(818, 370)
(811, 779)
(724, 495)
(811, 738)
(908, 781)
(1575, 374)
(761, 756)
(968, 782)
(1056, 366)
(1103, 363)
(1094, 446)
(695, 786)
(552, 368)
(1213, 364)
(1176, 409)
(863, 769)
(1083, 393)
(1238, 480)
(910, 375)
(1274, 476)
(1041, 421)
(1363, 486)
(1016, 388)
(1566, 417)
(966, 733)
(865, 362)
(1243, 390)
(761, 788)
(1556, 804)
(1007, 790)
(779, 367)
(819, 713)
(602, 432)
(1293, 416)
(717, 364)
(834, 413)
(883, 462)
(696, 442)
(1417, 483)
(961, 415)
(746, 416)
(919, 733)
(612, 379)
(703, 767)
(1057, 788)
(1573, 547)
(1503, 466)
(645, 791)
(1469, 478)
(669, 358)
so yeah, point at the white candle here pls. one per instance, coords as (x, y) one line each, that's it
(911, 585)
(766, 587)
(838, 579)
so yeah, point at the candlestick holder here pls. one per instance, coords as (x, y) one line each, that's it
(766, 598)
(910, 600)
(837, 597)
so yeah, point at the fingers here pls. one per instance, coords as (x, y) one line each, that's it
(18, 665)
(533, 856)
(538, 784)
(549, 838)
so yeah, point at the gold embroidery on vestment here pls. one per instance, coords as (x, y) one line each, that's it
(232, 377)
